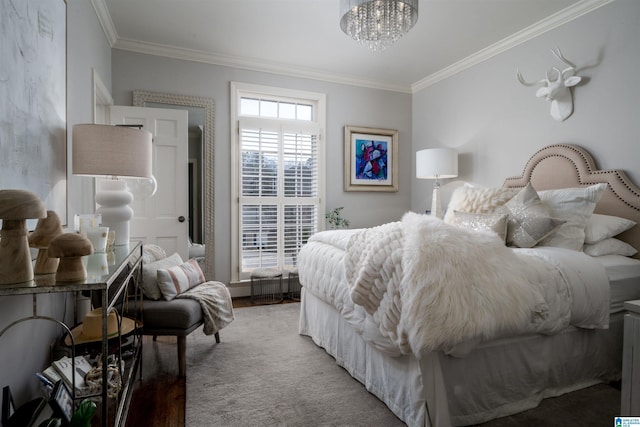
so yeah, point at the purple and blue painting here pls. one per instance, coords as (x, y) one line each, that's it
(371, 160)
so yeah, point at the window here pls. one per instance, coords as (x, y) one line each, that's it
(278, 175)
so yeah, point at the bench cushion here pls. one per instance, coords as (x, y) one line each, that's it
(175, 317)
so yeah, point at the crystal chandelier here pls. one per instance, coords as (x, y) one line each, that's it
(377, 23)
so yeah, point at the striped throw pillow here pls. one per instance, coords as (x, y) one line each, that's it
(176, 280)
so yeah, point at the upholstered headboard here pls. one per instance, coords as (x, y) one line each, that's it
(566, 165)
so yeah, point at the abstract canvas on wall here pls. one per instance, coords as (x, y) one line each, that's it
(370, 159)
(33, 113)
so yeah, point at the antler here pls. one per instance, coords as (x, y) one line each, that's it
(525, 83)
(558, 54)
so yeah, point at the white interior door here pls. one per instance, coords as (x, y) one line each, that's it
(163, 218)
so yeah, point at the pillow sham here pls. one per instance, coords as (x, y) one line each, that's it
(575, 206)
(600, 227)
(530, 219)
(496, 223)
(477, 200)
(150, 275)
(610, 246)
(180, 278)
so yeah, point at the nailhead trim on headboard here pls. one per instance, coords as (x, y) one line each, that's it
(571, 153)
(622, 197)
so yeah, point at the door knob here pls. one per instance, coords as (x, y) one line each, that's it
(181, 218)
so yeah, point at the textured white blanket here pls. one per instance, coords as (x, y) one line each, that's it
(430, 285)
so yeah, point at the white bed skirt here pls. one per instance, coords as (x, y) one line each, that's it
(496, 379)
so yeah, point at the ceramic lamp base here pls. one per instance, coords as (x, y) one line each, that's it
(114, 199)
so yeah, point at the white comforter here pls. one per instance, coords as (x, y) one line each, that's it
(420, 285)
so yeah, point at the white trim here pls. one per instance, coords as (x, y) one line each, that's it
(252, 64)
(531, 32)
(237, 90)
(562, 17)
(101, 97)
(104, 17)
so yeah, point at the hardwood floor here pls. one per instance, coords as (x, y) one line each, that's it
(159, 398)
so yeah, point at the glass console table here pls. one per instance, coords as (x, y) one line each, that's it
(115, 277)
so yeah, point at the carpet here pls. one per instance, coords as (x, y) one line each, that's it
(264, 374)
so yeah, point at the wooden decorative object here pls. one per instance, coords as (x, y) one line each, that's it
(46, 230)
(70, 248)
(16, 206)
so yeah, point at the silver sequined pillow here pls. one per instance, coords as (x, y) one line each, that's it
(530, 219)
(488, 222)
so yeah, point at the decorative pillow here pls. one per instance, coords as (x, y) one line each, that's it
(496, 223)
(610, 246)
(530, 219)
(178, 279)
(477, 200)
(152, 253)
(150, 275)
(600, 227)
(575, 206)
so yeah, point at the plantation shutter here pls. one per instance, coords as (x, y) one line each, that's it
(279, 192)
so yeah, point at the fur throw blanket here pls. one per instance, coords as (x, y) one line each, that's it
(215, 301)
(430, 285)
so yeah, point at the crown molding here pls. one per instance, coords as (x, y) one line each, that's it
(104, 17)
(557, 19)
(560, 18)
(251, 64)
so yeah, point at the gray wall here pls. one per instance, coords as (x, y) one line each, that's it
(496, 124)
(346, 105)
(24, 349)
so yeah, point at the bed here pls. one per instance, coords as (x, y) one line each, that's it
(389, 316)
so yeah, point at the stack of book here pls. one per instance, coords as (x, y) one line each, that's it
(66, 369)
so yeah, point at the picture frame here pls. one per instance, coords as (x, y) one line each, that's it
(62, 401)
(33, 89)
(370, 159)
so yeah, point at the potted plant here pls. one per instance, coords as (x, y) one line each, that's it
(335, 220)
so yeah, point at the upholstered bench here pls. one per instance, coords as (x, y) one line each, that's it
(177, 317)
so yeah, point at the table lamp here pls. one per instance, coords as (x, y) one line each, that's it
(116, 152)
(436, 163)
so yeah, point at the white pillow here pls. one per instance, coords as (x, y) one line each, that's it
(477, 200)
(180, 278)
(150, 275)
(610, 246)
(575, 206)
(600, 227)
(152, 253)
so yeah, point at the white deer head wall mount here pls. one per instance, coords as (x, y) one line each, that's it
(558, 90)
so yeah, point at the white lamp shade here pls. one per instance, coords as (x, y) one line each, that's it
(111, 150)
(435, 163)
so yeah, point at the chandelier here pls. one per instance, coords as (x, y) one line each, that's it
(377, 23)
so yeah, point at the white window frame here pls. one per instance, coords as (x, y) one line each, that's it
(239, 90)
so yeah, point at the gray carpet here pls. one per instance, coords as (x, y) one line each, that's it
(264, 374)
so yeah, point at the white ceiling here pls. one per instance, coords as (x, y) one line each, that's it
(303, 37)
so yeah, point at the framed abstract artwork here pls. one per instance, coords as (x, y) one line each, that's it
(33, 100)
(370, 159)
